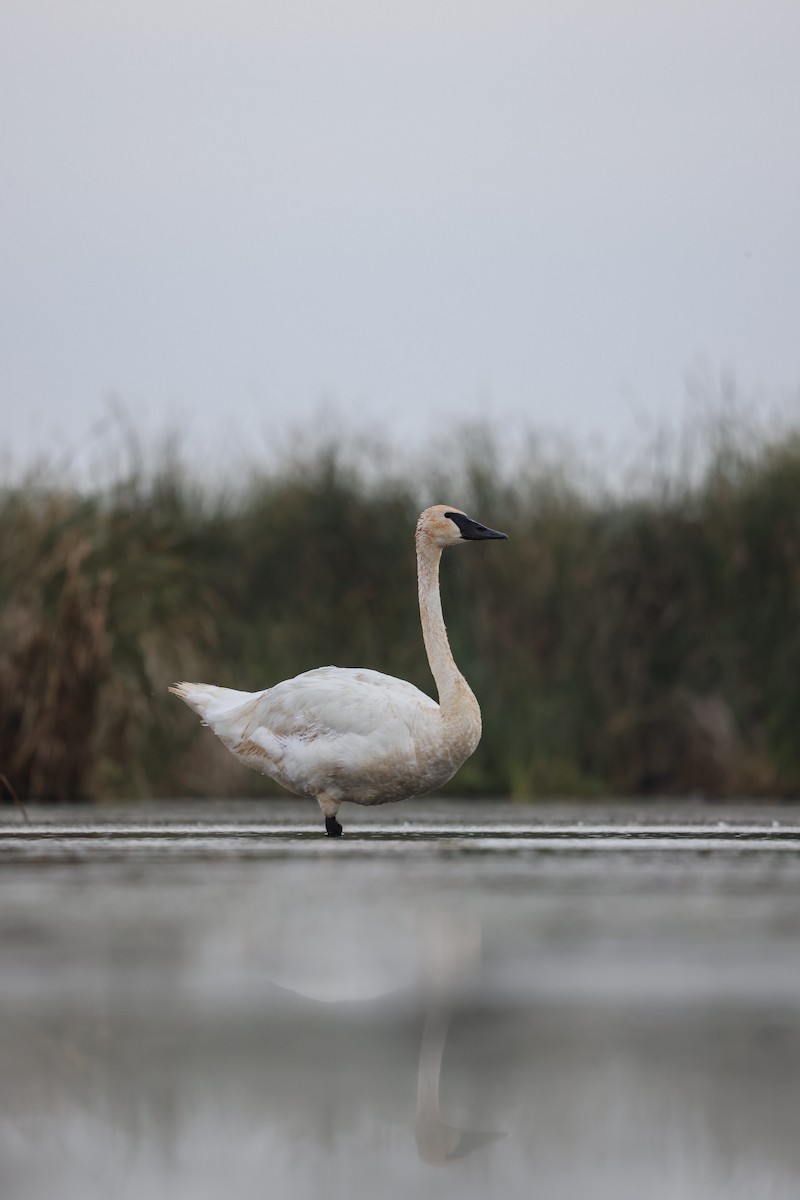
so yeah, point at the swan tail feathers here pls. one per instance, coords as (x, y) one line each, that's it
(208, 700)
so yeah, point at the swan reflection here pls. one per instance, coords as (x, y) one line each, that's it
(449, 954)
(438, 971)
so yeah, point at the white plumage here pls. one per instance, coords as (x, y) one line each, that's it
(340, 733)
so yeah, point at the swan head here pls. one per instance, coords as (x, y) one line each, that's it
(443, 525)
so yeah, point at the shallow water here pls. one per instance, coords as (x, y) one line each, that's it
(463, 1000)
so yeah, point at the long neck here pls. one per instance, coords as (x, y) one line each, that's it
(449, 680)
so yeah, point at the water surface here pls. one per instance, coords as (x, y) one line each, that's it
(462, 1000)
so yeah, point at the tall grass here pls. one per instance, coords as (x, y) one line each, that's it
(646, 642)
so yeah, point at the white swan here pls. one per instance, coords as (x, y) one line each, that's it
(339, 733)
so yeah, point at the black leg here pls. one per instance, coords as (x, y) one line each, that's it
(332, 827)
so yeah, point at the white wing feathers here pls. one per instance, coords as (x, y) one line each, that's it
(327, 703)
(349, 732)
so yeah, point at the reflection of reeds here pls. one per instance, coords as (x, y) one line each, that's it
(616, 645)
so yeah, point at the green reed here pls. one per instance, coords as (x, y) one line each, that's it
(622, 642)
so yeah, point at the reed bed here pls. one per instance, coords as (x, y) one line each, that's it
(625, 642)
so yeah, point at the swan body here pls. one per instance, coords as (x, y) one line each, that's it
(340, 733)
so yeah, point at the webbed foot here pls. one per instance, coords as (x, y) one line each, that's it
(332, 827)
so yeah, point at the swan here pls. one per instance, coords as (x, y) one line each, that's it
(341, 733)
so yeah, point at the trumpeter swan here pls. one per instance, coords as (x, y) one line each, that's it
(339, 733)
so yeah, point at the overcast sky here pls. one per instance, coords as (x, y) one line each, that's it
(539, 210)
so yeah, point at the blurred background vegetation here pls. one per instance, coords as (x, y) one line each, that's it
(631, 640)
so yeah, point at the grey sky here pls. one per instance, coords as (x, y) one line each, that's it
(550, 211)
